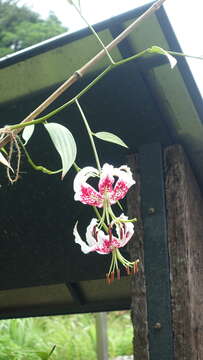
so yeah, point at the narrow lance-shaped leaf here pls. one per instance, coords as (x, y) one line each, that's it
(4, 161)
(159, 50)
(107, 136)
(64, 143)
(27, 133)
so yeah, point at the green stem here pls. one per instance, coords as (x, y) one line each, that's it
(37, 167)
(101, 219)
(90, 85)
(90, 136)
(76, 167)
(185, 55)
(133, 57)
(94, 32)
(81, 93)
(51, 352)
(28, 123)
(60, 108)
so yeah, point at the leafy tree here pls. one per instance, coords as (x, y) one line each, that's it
(21, 27)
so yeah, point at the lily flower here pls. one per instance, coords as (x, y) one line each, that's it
(97, 240)
(109, 190)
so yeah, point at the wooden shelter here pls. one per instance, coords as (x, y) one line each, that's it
(152, 108)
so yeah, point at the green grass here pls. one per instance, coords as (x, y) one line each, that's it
(73, 335)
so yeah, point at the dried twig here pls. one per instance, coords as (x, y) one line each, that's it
(13, 143)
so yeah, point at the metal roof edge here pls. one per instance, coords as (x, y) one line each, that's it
(63, 39)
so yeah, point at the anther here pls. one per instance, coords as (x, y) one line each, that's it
(135, 267)
(128, 270)
(108, 280)
(110, 234)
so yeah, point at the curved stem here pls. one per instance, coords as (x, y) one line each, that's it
(82, 92)
(101, 219)
(37, 167)
(94, 32)
(84, 69)
(76, 167)
(185, 55)
(60, 108)
(90, 135)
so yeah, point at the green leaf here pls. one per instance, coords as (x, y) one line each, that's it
(42, 355)
(4, 150)
(64, 143)
(27, 133)
(4, 161)
(106, 136)
(159, 50)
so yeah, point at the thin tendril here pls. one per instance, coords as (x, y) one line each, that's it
(90, 135)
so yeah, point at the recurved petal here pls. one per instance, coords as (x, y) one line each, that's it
(98, 239)
(85, 192)
(91, 233)
(83, 175)
(84, 247)
(122, 185)
(104, 243)
(124, 230)
(124, 173)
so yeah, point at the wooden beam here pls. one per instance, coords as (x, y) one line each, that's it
(76, 292)
(185, 235)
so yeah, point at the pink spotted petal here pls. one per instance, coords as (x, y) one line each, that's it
(97, 239)
(119, 191)
(85, 192)
(124, 182)
(88, 195)
(106, 179)
(106, 245)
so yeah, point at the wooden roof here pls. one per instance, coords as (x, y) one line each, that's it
(42, 271)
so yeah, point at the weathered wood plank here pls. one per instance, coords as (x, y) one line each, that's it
(185, 235)
(136, 250)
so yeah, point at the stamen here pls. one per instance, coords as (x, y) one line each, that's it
(110, 234)
(95, 233)
(128, 270)
(112, 276)
(135, 267)
(118, 274)
(108, 279)
(121, 233)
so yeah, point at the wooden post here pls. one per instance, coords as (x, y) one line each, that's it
(185, 237)
(136, 250)
(181, 247)
(101, 334)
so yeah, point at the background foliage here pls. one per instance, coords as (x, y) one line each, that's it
(73, 335)
(21, 27)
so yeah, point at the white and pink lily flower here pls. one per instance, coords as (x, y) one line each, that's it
(97, 240)
(110, 190)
